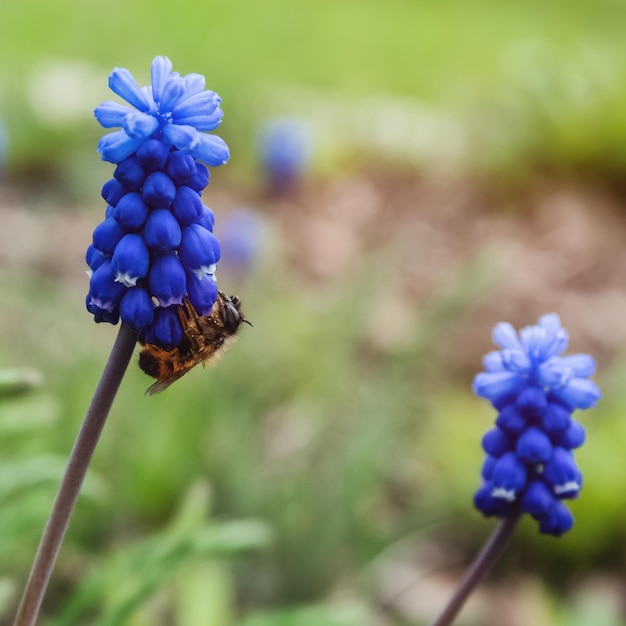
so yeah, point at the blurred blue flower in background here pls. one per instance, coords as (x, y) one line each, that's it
(529, 451)
(285, 150)
(242, 233)
(156, 244)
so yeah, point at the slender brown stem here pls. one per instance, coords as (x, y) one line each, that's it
(494, 547)
(75, 472)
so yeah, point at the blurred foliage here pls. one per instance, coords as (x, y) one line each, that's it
(327, 614)
(535, 85)
(273, 489)
(184, 560)
(343, 450)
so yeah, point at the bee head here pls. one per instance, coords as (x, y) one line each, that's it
(232, 312)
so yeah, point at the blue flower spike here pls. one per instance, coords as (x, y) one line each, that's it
(156, 245)
(529, 460)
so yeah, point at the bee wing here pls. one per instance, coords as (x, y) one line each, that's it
(209, 356)
(161, 385)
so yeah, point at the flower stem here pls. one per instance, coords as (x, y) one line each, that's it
(78, 463)
(489, 554)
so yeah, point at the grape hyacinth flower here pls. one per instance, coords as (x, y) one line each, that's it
(529, 466)
(529, 461)
(156, 243)
(154, 248)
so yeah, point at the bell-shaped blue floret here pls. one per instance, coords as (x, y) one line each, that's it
(544, 340)
(131, 260)
(200, 179)
(153, 155)
(492, 361)
(511, 420)
(496, 442)
(495, 385)
(573, 437)
(94, 258)
(582, 365)
(202, 292)
(173, 91)
(167, 280)
(212, 150)
(195, 83)
(111, 114)
(206, 219)
(102, 315)
(184, 138)
(199, 250)
(554, 374)
(187, 206)
(562, 474)
(131, 211)
(180, 167)
(116, 146)
(537, 499)
(105, 292)
(556, 419)
(200, 121)
(113, 191)
(489, 505)
(509, 476)
(162, 231)
(122, 83)
(160, 69)
(158, 191)
(516, 361)
(137, 308)
(532, 402)
(505, 336)
(580, 393)
(139, 125)
(557, 338)
(533, 446)
(130, 174)
(200, 111)
(107, 235)
(166, 330)
(557, 521)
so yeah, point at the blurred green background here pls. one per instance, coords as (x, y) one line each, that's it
(467, 166)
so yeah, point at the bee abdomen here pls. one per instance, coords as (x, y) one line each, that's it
(154, 366)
